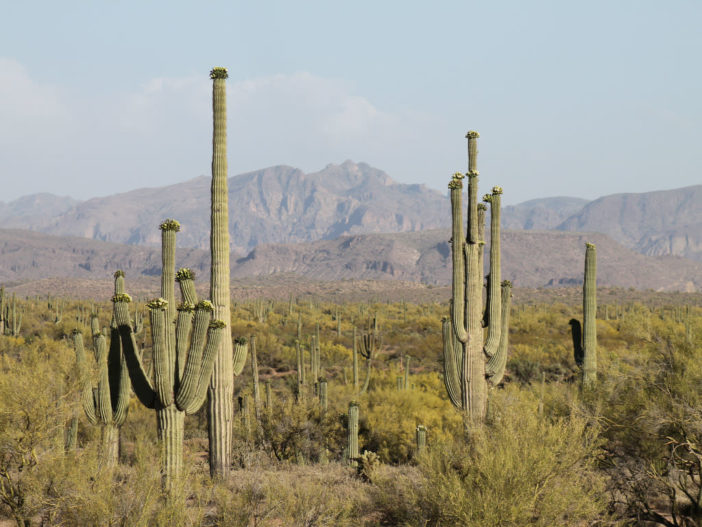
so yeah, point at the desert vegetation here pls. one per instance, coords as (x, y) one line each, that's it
(623, 450)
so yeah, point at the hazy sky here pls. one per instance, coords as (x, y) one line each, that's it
(571, 98)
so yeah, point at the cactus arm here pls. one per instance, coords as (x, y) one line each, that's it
(452, 363)
(121, 408)
(184, 325)
(458, 259)
(103, 400)
(163, 362)
(495, 368)
(191, 375)
(119, 386)
(141, 383)
(494, 311)
(86, 394)
(241, 349)
(215, 333)
(186, 279)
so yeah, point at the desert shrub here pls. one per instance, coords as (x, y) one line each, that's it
(520, 469)
(390, 417)
(304, 496)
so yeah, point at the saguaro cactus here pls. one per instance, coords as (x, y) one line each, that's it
(353, 433)
(221, 391)
(465, 351)
(585, 340)
(421, 437)
(370, 343)
(183, 356)
(108, 403)
(254, 376)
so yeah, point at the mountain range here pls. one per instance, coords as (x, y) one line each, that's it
(282, 204)
(353, 221)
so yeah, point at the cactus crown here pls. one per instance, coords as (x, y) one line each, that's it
(219, 73)
(205, 304)
(217, 324)
(118, 273)
(185, 274)
(170, 225)
(506, 283)
(186, 306)
(497, 189)
(421, 427)
(122, 297)
(354, 403)
(241, 340)
(157, 303)
(76, 331)
(472, 134)
(458, 175)
(455, 183)
(487, 198)
(590, 245)
(482, 206)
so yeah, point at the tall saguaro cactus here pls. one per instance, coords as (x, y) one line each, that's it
(466, 352)
(585, 341)
(221, 392)
(108, 403)
(184, 354)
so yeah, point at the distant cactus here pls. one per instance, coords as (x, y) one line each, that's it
(370, 343)
(323, 402)
(254, 376)
(585, 338)
(466, 356)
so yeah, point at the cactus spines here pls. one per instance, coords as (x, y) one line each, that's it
(221, 391)
(585, 344)
(465, 351)
(421, 437)
(352, 428)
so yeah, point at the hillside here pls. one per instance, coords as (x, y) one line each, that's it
(530, 259)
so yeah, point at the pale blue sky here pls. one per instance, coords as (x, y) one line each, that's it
(571, 98)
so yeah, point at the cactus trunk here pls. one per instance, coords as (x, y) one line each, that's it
(589, 316)
(353, 434)
(221, 391)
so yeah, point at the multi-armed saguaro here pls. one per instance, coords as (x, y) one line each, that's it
(470, 362)
(221, 392)
(585, 339)
(108, 403)
(184, 350)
